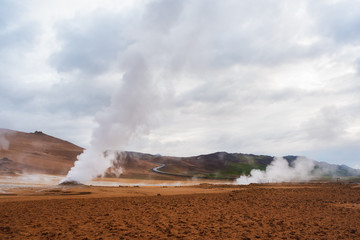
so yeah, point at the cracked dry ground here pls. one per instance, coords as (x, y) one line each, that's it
(322, 211)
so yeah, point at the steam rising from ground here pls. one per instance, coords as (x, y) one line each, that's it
(4, 143)
(280, 171)
(144, 92)
(130, 114)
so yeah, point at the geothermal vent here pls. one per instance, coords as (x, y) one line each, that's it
(70, 183)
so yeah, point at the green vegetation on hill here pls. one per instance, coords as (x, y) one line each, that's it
(234, 170)
(216, 165)
(238, 169)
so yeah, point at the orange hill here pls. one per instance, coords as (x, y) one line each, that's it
(35, 153)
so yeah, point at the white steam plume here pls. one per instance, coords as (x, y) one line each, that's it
(130, 113)
(280, 171)
(4, 142)
(144, 92)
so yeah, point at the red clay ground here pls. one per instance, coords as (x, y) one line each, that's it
(292, 211)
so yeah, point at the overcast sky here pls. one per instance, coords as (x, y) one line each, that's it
(263, 77)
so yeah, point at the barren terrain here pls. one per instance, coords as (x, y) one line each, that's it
(206, 211)
(35, 153)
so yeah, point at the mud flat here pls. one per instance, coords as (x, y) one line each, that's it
(206, 211)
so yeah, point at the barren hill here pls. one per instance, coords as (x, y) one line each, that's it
(35, 153)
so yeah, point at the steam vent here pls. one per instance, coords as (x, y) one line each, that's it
(70, 183)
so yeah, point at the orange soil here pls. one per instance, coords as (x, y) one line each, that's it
(292, 211)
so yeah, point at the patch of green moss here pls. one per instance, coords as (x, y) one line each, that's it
(237, 169)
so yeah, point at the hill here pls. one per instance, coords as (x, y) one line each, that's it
(35, 153)
(38, 152)
(214, 165)
(219, 165)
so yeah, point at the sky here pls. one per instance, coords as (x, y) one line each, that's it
(192, 77)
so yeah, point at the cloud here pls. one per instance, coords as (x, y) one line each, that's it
(16, 34)
(161, 16)
(327, 125)
(337, 20)
(261, 77)
(90, 44)
(235, 33)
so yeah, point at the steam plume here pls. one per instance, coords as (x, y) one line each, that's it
(4, 142)
(129, 114)
(144, 92)
(280, 171)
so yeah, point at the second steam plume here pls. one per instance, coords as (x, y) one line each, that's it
(279, 170)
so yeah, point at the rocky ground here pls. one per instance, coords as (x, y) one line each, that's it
(277, 211)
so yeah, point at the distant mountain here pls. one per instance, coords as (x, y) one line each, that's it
(38, 152)
(219, 165)
(333, 170)
(216, 165)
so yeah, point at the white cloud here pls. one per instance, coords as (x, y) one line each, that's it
(262, 77)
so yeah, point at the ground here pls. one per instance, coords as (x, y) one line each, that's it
(206, 211)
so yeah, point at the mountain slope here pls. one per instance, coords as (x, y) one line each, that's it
(35, 153)
(220, 165)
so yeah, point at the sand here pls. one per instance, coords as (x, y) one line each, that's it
(207, 211)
